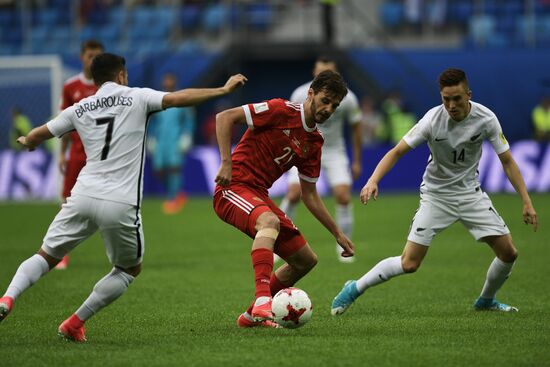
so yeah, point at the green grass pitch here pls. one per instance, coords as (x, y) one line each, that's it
(197, 278)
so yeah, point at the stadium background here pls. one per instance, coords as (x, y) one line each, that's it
(381, 46)
(197, 274)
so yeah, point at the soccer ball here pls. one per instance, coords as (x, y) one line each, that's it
(291, 308)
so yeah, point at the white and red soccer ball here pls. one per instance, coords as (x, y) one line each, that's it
(291, 308)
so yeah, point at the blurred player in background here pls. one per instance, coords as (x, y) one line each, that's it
(76, 88)
(334, 160)
(170, 138)
(20, 125)
(108, 191)
(450, 191)
(280, 134)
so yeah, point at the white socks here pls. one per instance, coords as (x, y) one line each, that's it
(27, 274)
(288, 208)
(107, 290)
(381, 272)
(497, 274)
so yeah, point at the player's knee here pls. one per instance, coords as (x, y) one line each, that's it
(307, 263)
(294, 194)
(509, 256)
(133, 271)
(268, 220)
(343, 198)
(409, 266)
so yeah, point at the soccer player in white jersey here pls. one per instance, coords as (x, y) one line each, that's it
(334, 161)
(450, 191)
(107, 195)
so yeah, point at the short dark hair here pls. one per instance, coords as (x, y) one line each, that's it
(106, 66)
(91, 44)
(451, 77)
(331, 82)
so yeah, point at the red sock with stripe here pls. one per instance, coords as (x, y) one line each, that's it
(262, 261)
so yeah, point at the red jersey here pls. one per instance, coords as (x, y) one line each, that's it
(75, 89)
(277, 139)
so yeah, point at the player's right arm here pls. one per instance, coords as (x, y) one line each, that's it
(193, 96)
(35, 137)
(384, 166)
(224, 129)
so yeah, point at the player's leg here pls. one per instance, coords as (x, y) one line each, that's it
(499, 270)
(344, 216)
(484, 223)
(121, 230)
(267, 230)
(408, 262)
(73, 168)
(67, 230)
(335, 165)
(432, 216)
(294, 194)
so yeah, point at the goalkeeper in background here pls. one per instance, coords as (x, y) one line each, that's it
(170, 138)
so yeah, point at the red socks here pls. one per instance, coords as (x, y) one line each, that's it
(262, 261)
(275, 285)
(75, 321)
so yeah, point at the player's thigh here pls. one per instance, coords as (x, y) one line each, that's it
(73, 224)
(480, 217)
(122, 232)
(290, 240)
(335, 165)
(433, 215)
(292, 176)
(240, 206)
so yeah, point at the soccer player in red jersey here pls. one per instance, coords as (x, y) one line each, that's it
(76, 88)
(280, 134)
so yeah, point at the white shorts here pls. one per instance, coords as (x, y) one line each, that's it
(79, 218)
(335, 166)
(475, 211)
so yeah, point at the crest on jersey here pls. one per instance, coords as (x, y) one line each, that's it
(260, 107)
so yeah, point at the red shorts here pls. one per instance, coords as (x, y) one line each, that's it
(74, 166)
(241, 206)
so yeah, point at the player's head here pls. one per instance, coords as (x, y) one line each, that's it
(325, 94)
(169, 82)
(324, 63)
(455, 93)
(88, 50)
(108, 67)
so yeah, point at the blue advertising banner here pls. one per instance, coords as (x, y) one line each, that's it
(34, 175)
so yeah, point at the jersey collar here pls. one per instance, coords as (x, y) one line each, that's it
(302, 115)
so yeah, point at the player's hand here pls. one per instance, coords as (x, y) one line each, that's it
(234, 82)
(369, 190)
(346, 244)
(530, 216)
(223, 178)
(62, 163)
(356, 170)
(23, 141)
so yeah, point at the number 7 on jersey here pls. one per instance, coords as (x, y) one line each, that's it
(109, 121)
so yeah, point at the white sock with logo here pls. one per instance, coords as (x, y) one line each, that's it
(497, 274)
(105, 292)
(381, 272)
(27, 274)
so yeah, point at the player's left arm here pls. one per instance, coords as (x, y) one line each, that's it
(315, 205)
(35, 137)
(193, 96)
(514, 175)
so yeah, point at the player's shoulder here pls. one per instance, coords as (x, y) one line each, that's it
(480, 111)
(77, 80)
(300, 93)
